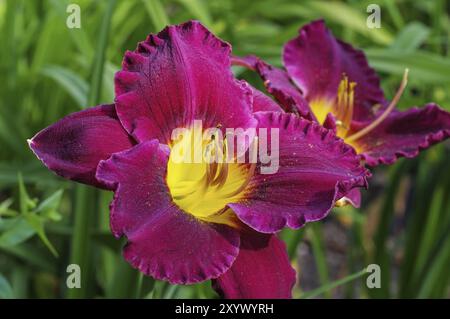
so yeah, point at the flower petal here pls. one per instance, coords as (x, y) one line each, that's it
(278, 84)
(316, 62)
(262, 102)
(163, 241)
(181, 74)
(315, 170)
(403, 134)
(261, 271)
(353, 197)
(73, 146)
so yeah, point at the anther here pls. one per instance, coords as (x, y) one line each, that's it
(386, 112)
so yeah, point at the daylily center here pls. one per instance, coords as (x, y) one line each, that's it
(341, 106)
(203, 187)
(342, 109)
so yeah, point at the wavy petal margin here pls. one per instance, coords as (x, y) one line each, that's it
(163, 241)
(262, 270)
(315, 170)
(403, 134)
(180, 75)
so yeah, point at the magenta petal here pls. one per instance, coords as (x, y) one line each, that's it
(73, 146)
(353, 197)
(278, 84)
(316, 61)
(263, 103)
(163, 241)
(403, 134)
(181, 74)
(315, 170)
(261, 270)
(330, 122)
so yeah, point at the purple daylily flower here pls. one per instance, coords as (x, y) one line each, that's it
(189, 222)
(329, 81)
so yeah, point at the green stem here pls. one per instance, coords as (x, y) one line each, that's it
(85, 207)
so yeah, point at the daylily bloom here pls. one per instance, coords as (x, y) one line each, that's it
(190, 222)
(329, 81)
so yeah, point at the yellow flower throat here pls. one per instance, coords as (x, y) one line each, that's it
(341, 106)
(204, 188)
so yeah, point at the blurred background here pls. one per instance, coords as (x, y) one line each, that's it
(48, 71)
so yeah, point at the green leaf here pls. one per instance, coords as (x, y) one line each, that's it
(423, 66)
(26, 203)
(30, 255)
(37, 223)
(328, 287)
(199, 11)
(320, 255)
(349, 17)
(71, 82)
(394, 12)
(95, 89)
(49, 207)
(4, 208)
(438, 271)
(6, 291)
(386, 215)
(410, 38)
(431, 227)
(292, 238)
(157, 14)
(16, 231)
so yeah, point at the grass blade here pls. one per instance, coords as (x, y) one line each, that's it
(319, 255)
(411, 37)
(330, 286)
(71, 82)
(157, 14)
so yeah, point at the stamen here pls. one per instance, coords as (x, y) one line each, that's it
(343, 108)
(204, 189)
(223, 172)
(211, 166)
(385, 114)
(250, 172)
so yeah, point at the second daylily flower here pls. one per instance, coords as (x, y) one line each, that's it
(190, 222)
(327, 80)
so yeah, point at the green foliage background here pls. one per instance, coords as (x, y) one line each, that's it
(48, 71)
